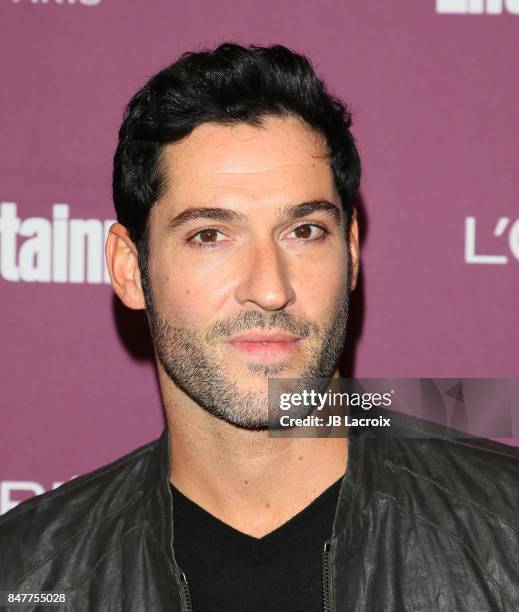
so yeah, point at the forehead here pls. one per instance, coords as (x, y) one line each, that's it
(282, 161)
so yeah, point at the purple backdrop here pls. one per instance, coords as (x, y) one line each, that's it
(433, 88)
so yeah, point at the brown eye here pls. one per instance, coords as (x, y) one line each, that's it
(303, 231)
(309, 232)
(208, 235)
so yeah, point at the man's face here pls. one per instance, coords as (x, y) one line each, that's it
(247, 265)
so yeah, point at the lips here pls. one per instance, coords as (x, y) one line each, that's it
(265, 345)
(264, 337)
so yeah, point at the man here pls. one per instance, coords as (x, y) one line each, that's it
(234, 179)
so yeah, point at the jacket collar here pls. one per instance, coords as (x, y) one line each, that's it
(158, 499)
(161, 499)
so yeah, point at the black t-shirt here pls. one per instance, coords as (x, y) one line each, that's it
(229, 571)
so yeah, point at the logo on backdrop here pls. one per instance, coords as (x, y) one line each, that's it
(477, 7)
(82, 2)
(13, 492)
(57, 250)
(506, 235)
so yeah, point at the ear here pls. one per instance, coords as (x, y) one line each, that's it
(354, 250)
(123, 266)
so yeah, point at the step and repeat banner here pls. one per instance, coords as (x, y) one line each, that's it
(433, 88)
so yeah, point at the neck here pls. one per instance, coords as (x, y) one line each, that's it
(246, 479)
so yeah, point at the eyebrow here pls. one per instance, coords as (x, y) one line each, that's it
(287, 213)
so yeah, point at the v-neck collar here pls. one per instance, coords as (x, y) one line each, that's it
(304, 516)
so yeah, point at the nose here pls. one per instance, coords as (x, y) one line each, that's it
(264, 281)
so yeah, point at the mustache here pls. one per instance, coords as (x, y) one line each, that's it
(253, 319)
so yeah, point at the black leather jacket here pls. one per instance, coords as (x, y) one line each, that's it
(422, 524)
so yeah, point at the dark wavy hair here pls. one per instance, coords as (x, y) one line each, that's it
(229, 84)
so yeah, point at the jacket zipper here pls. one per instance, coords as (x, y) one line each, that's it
(326, 577)
(187, 594)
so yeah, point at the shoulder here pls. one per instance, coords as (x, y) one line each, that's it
(468, 488)
(475, 465)
(445, 506)
(53, 525)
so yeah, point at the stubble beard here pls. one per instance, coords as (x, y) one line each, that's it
(190, 359)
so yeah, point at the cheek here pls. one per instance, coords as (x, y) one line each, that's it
(323, 282)
(190, 296)
(321, 289)
(321, 295)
